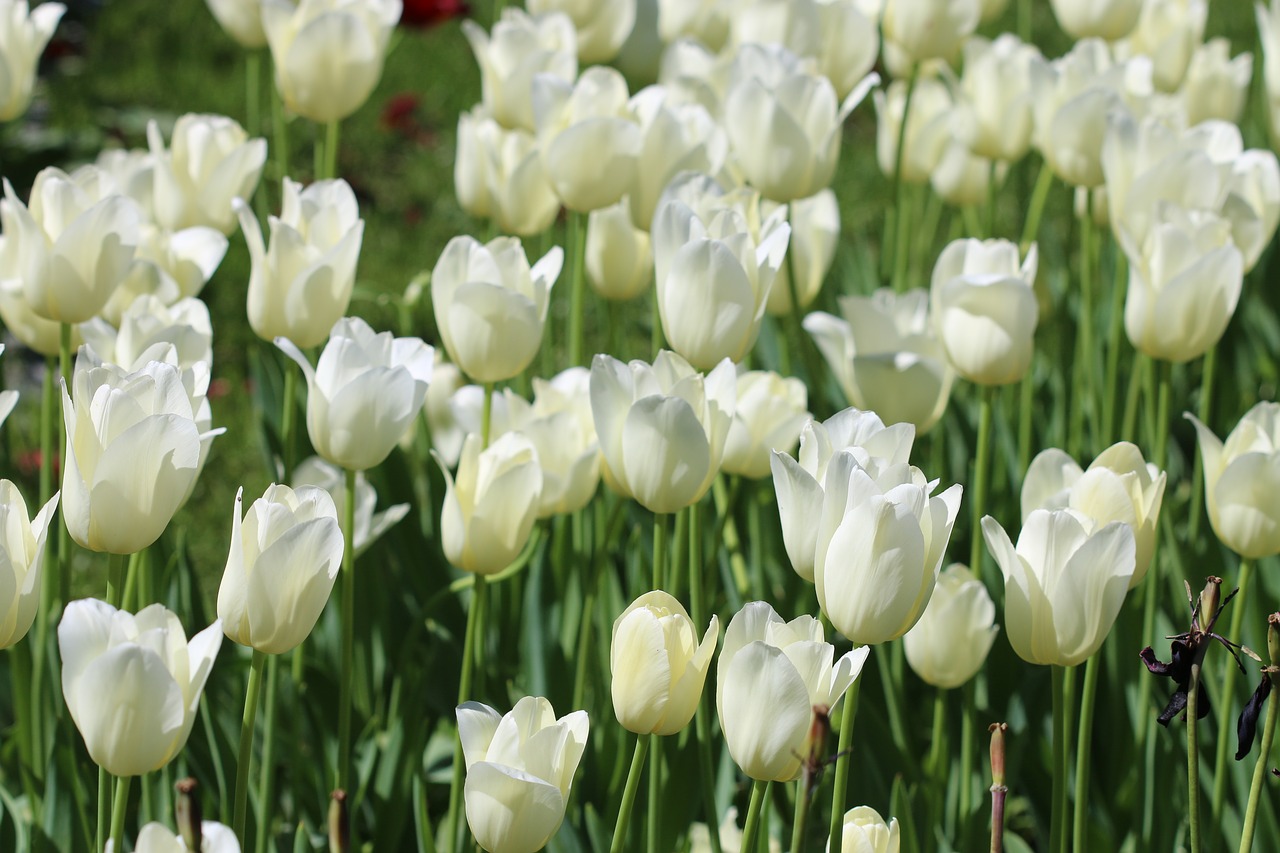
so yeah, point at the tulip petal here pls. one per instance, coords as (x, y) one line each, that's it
(764, 738)
(137, 710)
(510, 811)
(666, 453)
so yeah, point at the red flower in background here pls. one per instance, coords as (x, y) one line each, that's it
(421, 14)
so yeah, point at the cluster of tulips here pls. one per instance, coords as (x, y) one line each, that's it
(711, 191)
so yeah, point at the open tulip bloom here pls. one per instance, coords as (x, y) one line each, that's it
(22, 556)
(1241, 481)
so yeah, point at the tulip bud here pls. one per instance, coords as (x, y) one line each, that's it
(863, 829)
(950, 643)
(997, 753)
(24, 32)
(189, 813)
(339, 823)
(22, 556)
(1210, 598)
(619, 256)
(815, 232)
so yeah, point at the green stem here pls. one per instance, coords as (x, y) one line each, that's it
(48, 581)
(697, 604)
(935, 767)
(64, 536)
(117, 813)
(1260, 769)
(104, 809)
(1083, 390)
(660, 524)
(348, 633)
(899, 191)
(280, 134)
(655, 330)
(893, 711)
(289, 419)
(808, 353)
(653, 822)
(966, 756)
(486, 415)
(803, 790)
(1026, 398)
(980, 473)
(1114, 345)
(1197, 467)
(246, 748)
(751, 829)
(470, 647)
(1162, 414)
(629, 793)
(1039, 195)
(1084, 743)
(1056, 818)
(1193, 752)
(331, 150)
(253, 92)
(841, 784)
(991, 199)
(1129, 423)
(266, 781)
(578, 293)
(1228, 691)
(115, 579)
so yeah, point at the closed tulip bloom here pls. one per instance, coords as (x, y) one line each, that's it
(864, 831)
(838, 34)
(928, 128)
(520, 47)
(209, 162)
(328, 53)
(1168, 33)
(675, 136)
(491, 504)
(886, 357)
(285, 555)
(157, 838)
(520, 768)
(471, 165)
(490, 306)
(1064, 583)
(301, 283)
(569, 458)
(132, 683)
(790, 664)
(22, 550)
(24, 32)
(1118, 486)
(363, 394)
(950, 643)
(995, 106)
(815, 223)
(619, 255)
(1105, 19)
(1216, 85)
(985, 306)
(602, 25)
(881, 539)
(241, 19)
(662, 428)
(771, 411)
(1184, 283)
(929, 29)
(517, 194)
(1241, 477)
(369, 525)
(658, 664)
(799, 483)
(69, 251)
(133, 452)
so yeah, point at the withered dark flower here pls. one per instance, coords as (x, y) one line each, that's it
(1247, 725)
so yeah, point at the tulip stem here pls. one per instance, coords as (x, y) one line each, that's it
(288, 418)
(967, 739)
(991, 199)
(1228, 688)
(1084, 743)
(1026, 392)
(64, 535)
(115, 580)
(1116, 323)
(49, 580)
(267, 780)
(655, 331)
(900, 253)
(1193, 750)
(803, 790)
(751, 829)
(117, 812)
(469, 653)
(246, 747)
(1039, 195)
(348, 632)
(578, 291)
(841, 783)
(980, 471)
(654, 816)
(805, 345)
(104, 809)
(1197, 466)
(253, 92)
(697, 604)
(1260, 769)
(660, 523)
(629, 793)
(1082, 390)
(331, 150)
(486, 415)
(1058, 677)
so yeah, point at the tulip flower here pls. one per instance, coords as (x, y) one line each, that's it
(22, 542)
(569, 457)
(928, 29)
(1064, 583)
(69, 251)
(881, 539)
(788, 662)
(799, 482)
(885, 356)
(864, 831)
(1119, 486)
(1168, 32)
(815, 231)
(662, 428)
(838, 34)
(157, 838)
(1241, 476)
(132, 683)
(301, 283)
(210, 161)
(1216, 86)
(658, 664)
(490, 306)
(984, 305)
(240, 19)
(675, 136)
(369, 525)
(1104, 19)
(148, 323)
(770, 413)
(328, 53)
(169, 266)
(928, 128)
(707, 21)
(602, 25)
(447, 433)
(285, 556)
(520, 767)
(590, 142)
(995, 103)
(950, 643)
(619, 258)
(520, 47)
(364, 392)
(133, 452)
(499, 174)
(490, 506)
(24, 32)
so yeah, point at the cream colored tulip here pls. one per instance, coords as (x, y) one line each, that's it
(521, 196)
(491, 504)
(1106, 19)
(706, 21)
(471, 163)
(882, 536)
(962, 179)
(169, 265)
(836, 33)
(929, 29)
(770, 413)
(157, 838)
(788, 665)
(33, 331)
(995, 97)
(24, 32)
(447, 433)
(148, 323)
(1241, 477)
(22, 553)
(301, 283)
(675, 136)
(864, 831)
(1064, 583)
(520, 47)
(132, 683)
(1168, 32)
(369, 525)
(662, 428)
(285, 555)
(799, 483)
(602, 25)
(984, 305)
(520, 768)
(1217, 86)
(209, 162)
(886, 357)
(658, 665)
(815, 232)
(950, 643)
(490, 306)
(619, 256)
(928, 128)
(240, 19)
(328, 54)
(364, 392)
